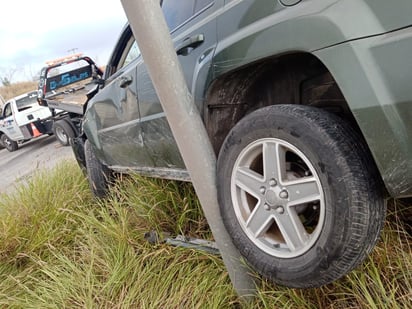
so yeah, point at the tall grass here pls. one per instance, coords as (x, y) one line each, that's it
(60, 248)
(15, 89)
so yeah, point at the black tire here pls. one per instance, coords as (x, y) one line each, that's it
(314, 210)
(9, 144)
(98, 174)
(63, 132)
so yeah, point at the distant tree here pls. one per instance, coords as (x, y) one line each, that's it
(5, 81)
(7, 75)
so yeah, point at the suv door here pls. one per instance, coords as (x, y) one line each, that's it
(112, 116)
(193, 29)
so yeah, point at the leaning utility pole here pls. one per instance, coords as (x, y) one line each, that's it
(153, 37)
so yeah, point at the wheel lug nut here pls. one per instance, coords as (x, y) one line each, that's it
(262, 190)
(280, 210)
(273, 182)
(266, 207)
(284, 194)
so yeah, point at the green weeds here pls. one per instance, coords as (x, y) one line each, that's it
(60, 248)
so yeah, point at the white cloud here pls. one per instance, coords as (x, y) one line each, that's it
(36, 31)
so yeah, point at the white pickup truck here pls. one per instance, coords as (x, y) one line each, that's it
(22, 119)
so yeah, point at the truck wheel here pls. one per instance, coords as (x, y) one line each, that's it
(299, 195)
(98, 174)
(63, 131)
(8, 143)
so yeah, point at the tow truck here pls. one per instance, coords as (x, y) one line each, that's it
(21, 119)
(65, 85)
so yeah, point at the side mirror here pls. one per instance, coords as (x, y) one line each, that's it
(99, 81)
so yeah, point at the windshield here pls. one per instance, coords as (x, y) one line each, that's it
(29, 99)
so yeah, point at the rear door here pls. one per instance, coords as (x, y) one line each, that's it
(193, 28)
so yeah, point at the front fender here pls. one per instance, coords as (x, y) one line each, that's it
(374, 75)
(267, 28)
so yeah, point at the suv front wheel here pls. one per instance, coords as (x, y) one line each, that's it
(299, 195)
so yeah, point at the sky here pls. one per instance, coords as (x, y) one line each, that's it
(33, 32)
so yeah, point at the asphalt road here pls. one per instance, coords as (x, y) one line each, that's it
(18, 166)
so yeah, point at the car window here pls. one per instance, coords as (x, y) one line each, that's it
(201, 4)
(7, 110)
(28, 100)
(177, 12)
(132, 53)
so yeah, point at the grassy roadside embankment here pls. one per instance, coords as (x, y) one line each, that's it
(59, 248)
(13, 90)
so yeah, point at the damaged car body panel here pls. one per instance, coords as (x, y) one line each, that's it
(143, 140)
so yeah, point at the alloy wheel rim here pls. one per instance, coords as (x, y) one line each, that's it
(277, 197)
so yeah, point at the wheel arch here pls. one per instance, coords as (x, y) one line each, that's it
(294, 78)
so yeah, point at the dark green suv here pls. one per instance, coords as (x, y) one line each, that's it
(308, 108)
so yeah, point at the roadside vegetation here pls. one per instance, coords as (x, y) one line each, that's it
(15, 89)
(60, 248)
